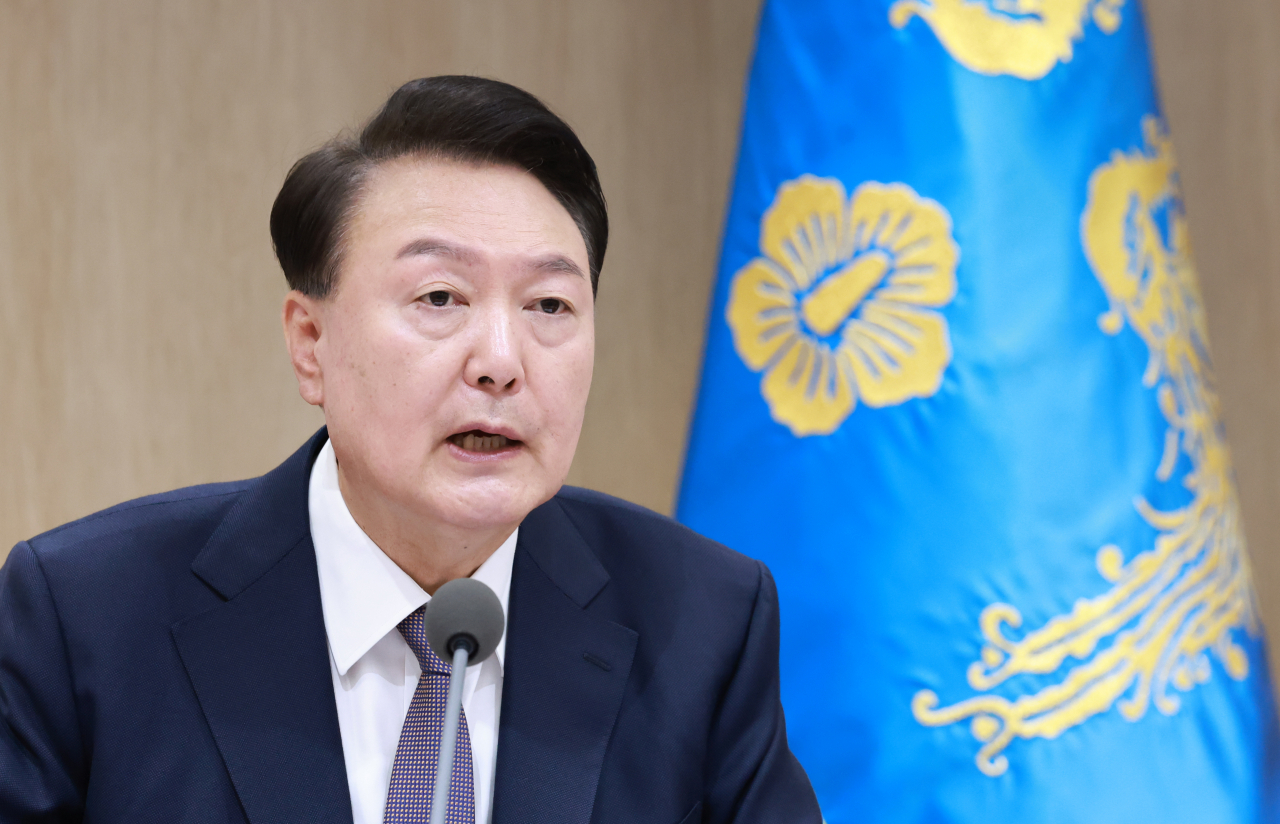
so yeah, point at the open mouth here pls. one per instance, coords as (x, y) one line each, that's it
(480, 441)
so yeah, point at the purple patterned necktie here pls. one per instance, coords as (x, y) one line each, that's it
(413, 774)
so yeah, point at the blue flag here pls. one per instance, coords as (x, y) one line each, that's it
(958, 396)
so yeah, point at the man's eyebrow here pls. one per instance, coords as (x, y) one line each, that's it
(559, 264)
(430, 246)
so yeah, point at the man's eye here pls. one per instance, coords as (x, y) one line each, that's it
(438, 298)
(550, 305)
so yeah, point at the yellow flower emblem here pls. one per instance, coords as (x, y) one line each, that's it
(836, 308)
(1022, 38)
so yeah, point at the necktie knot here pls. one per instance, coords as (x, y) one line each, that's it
(414, 630)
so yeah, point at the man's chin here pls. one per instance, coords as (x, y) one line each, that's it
(487, 508)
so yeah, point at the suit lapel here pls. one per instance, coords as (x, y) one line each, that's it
(564, 676)
(259, 661)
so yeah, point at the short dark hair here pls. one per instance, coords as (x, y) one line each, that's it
(456, 117)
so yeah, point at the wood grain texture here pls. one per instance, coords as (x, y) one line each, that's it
(1219, 72)
(142, 142)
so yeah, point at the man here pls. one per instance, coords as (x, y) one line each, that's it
(252, 651)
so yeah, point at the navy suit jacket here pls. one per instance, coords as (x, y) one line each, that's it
(165, 661)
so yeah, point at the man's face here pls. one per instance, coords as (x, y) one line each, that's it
(455, 354)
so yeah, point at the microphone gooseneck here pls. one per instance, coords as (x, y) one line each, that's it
(464, 623)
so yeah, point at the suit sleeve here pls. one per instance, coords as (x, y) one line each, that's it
(42, 762)
(753, 778)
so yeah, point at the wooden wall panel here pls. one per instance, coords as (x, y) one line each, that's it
(1219, 71)
(142, 142)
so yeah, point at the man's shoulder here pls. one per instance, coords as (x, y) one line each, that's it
(624, 534)
(173, 523)
(588, 508)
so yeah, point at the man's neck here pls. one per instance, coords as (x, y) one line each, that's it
(429, 552)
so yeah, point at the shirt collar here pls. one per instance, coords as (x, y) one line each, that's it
(363, 593)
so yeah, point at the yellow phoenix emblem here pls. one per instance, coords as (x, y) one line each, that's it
(840, 304)
(1022, 38)
(1170, 605)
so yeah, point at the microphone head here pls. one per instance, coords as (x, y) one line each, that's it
(464, 609)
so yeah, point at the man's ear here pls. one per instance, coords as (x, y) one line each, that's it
(302, 318)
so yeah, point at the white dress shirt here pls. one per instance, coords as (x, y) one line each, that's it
(364, 596)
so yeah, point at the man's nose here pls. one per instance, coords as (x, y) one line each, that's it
(495, 364)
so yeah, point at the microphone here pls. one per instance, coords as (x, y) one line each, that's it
(464, 623)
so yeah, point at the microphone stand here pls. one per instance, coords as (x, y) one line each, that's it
(462, 647)
(464, 622)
